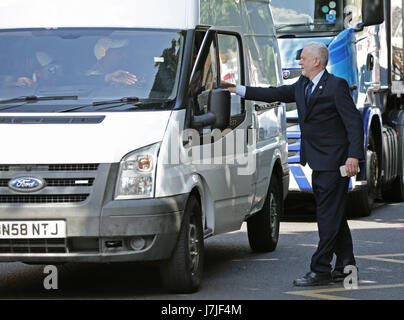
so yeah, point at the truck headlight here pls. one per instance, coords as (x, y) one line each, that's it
(137, 171)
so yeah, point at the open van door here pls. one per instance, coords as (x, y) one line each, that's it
(225, 141)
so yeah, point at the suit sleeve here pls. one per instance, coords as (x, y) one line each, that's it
(351, 118)
(285, 93)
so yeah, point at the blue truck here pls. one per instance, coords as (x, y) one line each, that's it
(365, 42)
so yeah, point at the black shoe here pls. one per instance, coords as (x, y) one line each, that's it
(313, 279)
(339, 275)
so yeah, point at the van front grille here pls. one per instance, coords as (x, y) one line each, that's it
(82, 182)
(79, 182)
(42, 198)
(62, 183)
(54, 245)
(50, 167)
(73, 167)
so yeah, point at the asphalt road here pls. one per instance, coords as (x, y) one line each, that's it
(232, 271)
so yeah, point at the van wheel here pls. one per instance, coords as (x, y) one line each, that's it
(263, 227)
(182, 272)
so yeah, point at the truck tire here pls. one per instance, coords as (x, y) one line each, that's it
(263, 227)
(393, 144)
(361, 202)
(396, 191)
(182, 272)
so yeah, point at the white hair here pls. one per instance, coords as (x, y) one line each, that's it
(318, 50)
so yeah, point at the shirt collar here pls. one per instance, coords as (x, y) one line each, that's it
(317, 78)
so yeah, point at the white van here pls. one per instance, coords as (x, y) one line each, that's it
(118, 143)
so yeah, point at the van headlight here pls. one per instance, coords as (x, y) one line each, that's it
(137, 172)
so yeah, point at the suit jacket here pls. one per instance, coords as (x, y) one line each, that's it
(331, 126)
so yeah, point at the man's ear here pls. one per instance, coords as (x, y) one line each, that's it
(317, 62)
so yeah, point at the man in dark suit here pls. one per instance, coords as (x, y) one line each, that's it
(332, 136)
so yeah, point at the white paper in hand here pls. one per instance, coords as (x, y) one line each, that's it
(342, 169)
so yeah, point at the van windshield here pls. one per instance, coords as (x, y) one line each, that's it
(90, 64)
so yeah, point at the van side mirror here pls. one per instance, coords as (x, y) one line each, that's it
(219, 104)
(372, 12)
(218, 115)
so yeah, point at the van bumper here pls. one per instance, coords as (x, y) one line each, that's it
(129, 230)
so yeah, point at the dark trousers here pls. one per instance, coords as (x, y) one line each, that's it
(330, 192)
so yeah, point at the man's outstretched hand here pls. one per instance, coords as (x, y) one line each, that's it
(230, 86)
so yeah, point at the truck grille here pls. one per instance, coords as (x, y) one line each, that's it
(293, 73)
(56, 245)
(64, 183)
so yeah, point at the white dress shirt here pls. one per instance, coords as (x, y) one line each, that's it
(240, 90)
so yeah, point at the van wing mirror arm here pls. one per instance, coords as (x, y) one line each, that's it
(203, 120)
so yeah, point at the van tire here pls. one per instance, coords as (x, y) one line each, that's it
(263, 226)
(182, 272)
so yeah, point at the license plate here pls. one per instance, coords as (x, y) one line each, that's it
(32, 229)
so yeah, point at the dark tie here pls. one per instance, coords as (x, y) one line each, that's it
(308, 92)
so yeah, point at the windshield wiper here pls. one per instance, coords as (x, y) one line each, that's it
(118, 103)
(100, 103)
(135, 101)
(114, 101)
(36, 98)
(301, 25)
(28, 99)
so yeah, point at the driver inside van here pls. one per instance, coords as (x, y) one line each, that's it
(110, 57)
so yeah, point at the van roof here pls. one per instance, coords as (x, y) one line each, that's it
(167, 14)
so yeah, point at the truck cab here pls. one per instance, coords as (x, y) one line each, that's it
(119, 143)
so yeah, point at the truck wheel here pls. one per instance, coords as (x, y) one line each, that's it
(359, 205)
(361, 202)
(263, 227)
(396, 191)
(182, 273)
